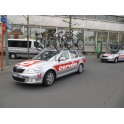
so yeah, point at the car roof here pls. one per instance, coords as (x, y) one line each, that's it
(22, 39)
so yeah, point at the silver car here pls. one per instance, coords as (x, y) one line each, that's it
(48, 66)
(113, 56)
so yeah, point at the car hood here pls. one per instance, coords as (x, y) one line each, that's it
(33, 63)
(107, 54)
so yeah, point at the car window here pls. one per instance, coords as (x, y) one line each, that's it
(46, 55)
(73, 54)
(18, 43)
(113, 51)
(65, 54)
(121, 52)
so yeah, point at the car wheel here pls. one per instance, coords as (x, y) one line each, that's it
(116, 60)
(80, 68)
(13, 56)
(49, 78)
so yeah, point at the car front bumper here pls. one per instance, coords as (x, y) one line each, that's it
(107, 59)
(28, 78)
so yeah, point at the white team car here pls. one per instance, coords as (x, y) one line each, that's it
(113, 56)
(49, 65)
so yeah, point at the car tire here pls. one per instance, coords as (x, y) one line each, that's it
(49, 78)
(80, 68)
(12, 56)
(116, 60)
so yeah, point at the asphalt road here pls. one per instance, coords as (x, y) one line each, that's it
(101, 85)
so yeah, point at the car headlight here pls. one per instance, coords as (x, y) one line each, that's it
(32, 70)
(110, 57)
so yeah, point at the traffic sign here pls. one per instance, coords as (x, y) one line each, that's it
(4, 18)
(7, 22)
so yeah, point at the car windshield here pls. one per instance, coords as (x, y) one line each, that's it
(46, 55)
(113, 51)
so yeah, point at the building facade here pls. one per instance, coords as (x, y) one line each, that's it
(105, 28)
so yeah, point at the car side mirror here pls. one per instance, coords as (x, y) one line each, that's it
(62, 59)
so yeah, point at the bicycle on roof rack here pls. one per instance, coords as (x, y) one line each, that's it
(68, 41)
(75, 41)
(115, 45)
(40, 42)
(59, 41)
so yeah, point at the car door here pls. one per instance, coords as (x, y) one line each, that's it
(63, 67)
(121, 55)
(74, 60)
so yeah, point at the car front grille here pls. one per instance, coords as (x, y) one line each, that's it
(18, 70)
(18, 79)
(104, 56)
(104, 59)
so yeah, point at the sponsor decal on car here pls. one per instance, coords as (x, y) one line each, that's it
(28, 63)
(65, 66)
(84, 60)
(121, 56)
(39, 75)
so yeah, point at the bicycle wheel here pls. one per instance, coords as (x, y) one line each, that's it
(80, 44)
(69, 44)
(43, 42)
(59, 45)
(37, 46)
(52, 44)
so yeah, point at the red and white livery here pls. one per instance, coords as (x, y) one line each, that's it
(113, 56)
(48, 66)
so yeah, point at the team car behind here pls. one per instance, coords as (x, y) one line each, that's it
(113, 56)
(49, 65)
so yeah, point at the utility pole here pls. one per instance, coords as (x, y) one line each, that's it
(28, 36)
(27, 19)
(70, 24)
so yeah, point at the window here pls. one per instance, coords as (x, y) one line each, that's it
(77, 16)
(73, 54)
(78, 33)
(102, 36)
(113, 37)
(121, 37)
(14, 43)
(65, 55)
(90, 16)
(111, 18)
(46, 55)
(90, 36)
(101, 17)
(120, 19)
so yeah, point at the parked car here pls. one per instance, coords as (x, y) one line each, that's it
(113, 56)
(48, 66)
(18, 48)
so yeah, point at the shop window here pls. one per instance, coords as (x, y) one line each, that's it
(121, 38)
(102, 36)
(90, 36)
(113, 37)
